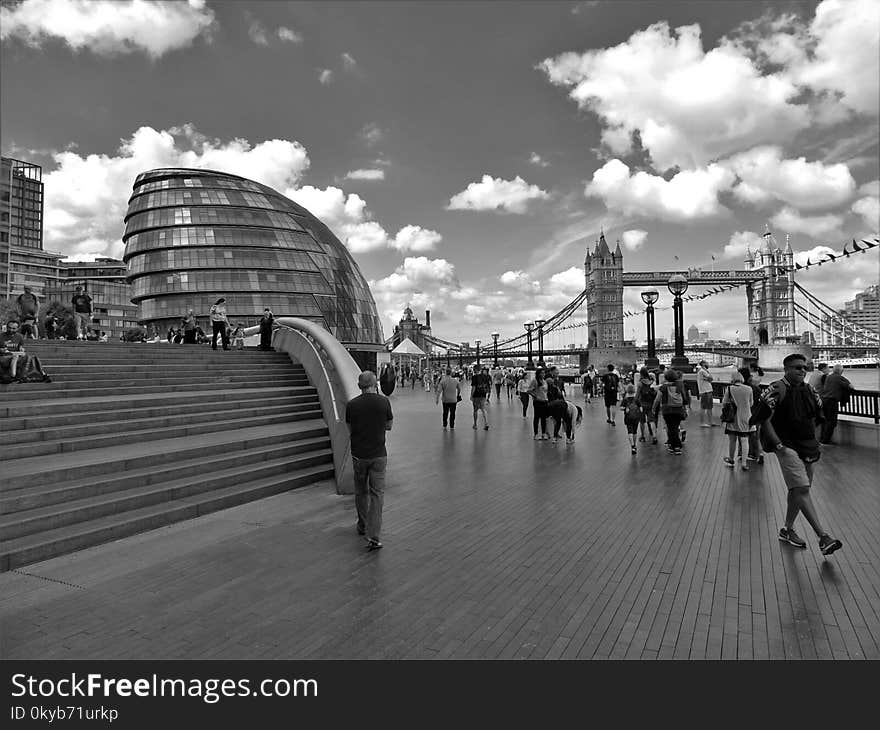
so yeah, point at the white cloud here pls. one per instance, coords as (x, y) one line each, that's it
(257, 31)
(689, 106)
(86, 195)
(289, 35)
(416, 238)
(520, 281)
(634, 239)
(537, 160)
(813, 255)
(571, 281)
(371, 134)
(688, 195)
(870, 188)
(741, 242)
(503, 196)
(416, 273)
(365, 237)
(348, 62)
(789, 219)
(869, 209)
(365, 175)
(325, 76)
(764, 176)
(108, 27)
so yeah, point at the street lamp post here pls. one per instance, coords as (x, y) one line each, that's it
(650, 297)
(447, 357)
(477, 343)
(460, 352)
(539, 323)
(678, 285)
(495, 336)
(528, 327)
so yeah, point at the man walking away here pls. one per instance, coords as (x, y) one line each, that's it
(610, 382)
(672, 401)
(788, 411)
(817, 378)
(28, 305)
(82, 312)
(704, 390)
(835, 393)
(646, 395)
(368, 417)
(449, 390)
(480, 385)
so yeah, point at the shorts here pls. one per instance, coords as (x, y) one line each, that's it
(631, 426)
(706, 400)
(795, 471)
(479, 403)
(610, 398)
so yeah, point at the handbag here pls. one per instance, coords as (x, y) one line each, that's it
(458, 398)
(728, 412)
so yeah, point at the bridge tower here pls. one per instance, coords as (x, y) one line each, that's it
(771, 300)
(603, 271)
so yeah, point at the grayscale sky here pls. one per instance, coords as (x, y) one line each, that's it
(468, 153)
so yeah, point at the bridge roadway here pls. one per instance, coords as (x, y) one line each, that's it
(496, 546)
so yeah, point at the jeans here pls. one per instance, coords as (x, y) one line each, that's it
(673, 421)
(498, 391)
(220, 329)
(449, 414)
(83, 320)
(369, 493)
(539, 408)
(524, 397)
(189, 337)
(830, 410)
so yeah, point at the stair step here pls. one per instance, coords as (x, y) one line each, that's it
(157, 378)
(52, 517)
(16, 499)
(173, 369)
(32, 391)
(44, 545)
(51, 405)
(23, 451)
(86, 426)
(55, 468)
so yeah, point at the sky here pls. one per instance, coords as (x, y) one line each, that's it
(469, 153)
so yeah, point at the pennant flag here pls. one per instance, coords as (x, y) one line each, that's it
(856, 246)
(798, 267)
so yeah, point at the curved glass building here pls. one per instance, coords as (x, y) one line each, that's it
(192, 236)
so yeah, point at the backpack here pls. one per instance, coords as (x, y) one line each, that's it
(672, 397)
(728, 411)
(633, 411)
(646, 394)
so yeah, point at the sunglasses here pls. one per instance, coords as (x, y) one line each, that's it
(798, 367)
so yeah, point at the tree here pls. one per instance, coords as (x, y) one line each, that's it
(64, 314)
(9, 312)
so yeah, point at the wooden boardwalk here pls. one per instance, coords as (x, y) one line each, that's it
(496, 546)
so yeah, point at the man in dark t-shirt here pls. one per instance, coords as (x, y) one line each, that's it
(610, 382)
(82, 312)
(28, 304)
(368, 417)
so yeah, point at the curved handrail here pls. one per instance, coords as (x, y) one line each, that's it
(334, 373)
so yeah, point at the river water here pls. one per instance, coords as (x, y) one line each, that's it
(861, 378)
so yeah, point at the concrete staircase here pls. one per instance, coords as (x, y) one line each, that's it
(128, 438)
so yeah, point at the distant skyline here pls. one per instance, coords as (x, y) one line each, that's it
(468, 153)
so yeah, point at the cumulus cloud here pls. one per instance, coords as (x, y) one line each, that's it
(869, 209)
(789, 219)
(571, 281)
(537, 160)
(812, 255)
(257, 31)
(415, 238)
(108, 27)
(765, 176)
(325, 76)
(371, 134)
(288, 35)
(634, 239)
(520, 281)
(86, 196)
(688, 195)
(741, 242)
(870, 188)
(348, 62)
(362, 174)
(503, 196)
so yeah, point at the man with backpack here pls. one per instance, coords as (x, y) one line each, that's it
(480, 385)
(610, 383)
(788, 410)
(645, 395)
(673, 402)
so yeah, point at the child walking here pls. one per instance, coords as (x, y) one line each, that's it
(238, 337)
(632, 415)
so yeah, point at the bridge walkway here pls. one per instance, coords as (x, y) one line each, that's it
(496, 546)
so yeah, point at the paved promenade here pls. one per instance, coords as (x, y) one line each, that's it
(496, 546)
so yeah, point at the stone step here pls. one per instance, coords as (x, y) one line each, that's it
(86, 426)
(55, 468)
(90, 416)
(44, 519)
(39, 406)
(42, 546)
(45, 391)
(14, 499)
(12, 452)
(157, 377)
(174, 369)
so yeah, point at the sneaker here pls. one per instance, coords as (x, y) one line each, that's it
(654, 440)
(570, 441)
(537, 437)
(714, 425)
(760, 459)
(373, 544)
(684, 435)
(641, 439)
(632, 450)
(745, 467)
(486, 427)
(613, 423)
(474, 427)
(670, 450)
(728, 462)
(705, 425)
(752, 458)
(792, 538)
(828, 544)
(677, 452)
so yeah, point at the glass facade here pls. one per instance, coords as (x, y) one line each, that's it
(192, 236)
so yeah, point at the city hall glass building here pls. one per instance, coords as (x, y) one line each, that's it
(192, 236)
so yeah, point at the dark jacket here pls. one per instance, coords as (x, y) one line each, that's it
(836, 387)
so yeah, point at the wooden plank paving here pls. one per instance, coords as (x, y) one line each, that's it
(497, 547)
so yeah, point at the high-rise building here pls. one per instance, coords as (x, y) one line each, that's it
(859, 315)
(693, 334)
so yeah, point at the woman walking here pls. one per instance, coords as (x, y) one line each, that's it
(538, 391)
(736, 408)
(266, 322)
(522, 389)
(219, 323)
(633, 417)
(645, 395)
(588, 380)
